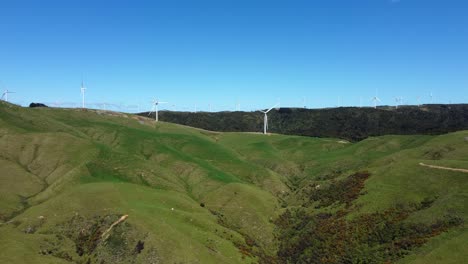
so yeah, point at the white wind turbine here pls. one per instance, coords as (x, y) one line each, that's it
(399, 101)
(83, 89)
(418, 100)
(5, 95)
(156, 103)
(57, 103)
(375, 99)
(265, 118)
(103, 106)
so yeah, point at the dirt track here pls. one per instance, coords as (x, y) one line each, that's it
(443, 168)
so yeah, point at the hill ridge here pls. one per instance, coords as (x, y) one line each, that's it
(350, 123)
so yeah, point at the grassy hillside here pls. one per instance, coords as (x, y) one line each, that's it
(195, 196)
(351, 123)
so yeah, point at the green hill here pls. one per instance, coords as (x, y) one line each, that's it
(194, 196)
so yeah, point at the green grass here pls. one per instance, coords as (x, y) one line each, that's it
(58, 163)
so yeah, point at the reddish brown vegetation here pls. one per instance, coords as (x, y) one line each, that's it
(344, 191)
(368, 238)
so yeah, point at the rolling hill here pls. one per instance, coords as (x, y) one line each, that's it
(91, 186)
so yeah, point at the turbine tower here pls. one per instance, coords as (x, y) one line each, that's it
(5, 95)
(418, 100)
(83, 89)
(265, 118)
(156, 103)
(375, 99)
(398, 101)
(57, 103)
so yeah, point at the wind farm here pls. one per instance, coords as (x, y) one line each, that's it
(237, 132)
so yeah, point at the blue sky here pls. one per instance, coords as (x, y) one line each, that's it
(224, 52)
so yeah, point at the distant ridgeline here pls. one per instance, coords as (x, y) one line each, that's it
(349, 123)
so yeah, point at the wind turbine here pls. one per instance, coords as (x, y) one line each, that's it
(375, 99)
(432, 97)
(5, 95)
(265, 118)
(83, 89)
(57, 103)
(69, 104)
(156, 103)
(418, 100)
(398, 101)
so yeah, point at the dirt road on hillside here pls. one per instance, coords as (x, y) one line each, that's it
(443, 168)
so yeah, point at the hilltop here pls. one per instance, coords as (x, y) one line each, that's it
(90, 186)
(350, 123)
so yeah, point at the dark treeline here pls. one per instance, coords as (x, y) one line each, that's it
(349, 123)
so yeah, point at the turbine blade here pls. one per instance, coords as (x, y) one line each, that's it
(272, 107)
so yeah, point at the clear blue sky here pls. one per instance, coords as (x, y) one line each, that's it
(219, 52)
